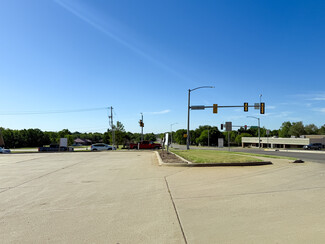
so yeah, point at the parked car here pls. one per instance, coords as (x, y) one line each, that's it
(101, 147)
(315, 146)
(3, 150)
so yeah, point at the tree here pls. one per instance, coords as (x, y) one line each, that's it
(179, 136)
(321, 130)
(311, 129)
(284, 129)
(239, 137)
(297, 129)
(150, 137)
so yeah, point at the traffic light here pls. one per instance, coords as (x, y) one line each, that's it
(245, 107)
(245, 127)
(215, 108)
(221, 127)
(141, 123)
(262, 108)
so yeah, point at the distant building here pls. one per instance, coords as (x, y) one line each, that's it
(273, 142)
(84, 142)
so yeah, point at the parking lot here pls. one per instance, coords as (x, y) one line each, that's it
(125, 197)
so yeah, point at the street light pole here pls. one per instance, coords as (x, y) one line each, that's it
(259, 130)
(188, 114)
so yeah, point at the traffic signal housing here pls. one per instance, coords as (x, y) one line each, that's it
(215, 108)
(245, 107)
(141, 123)
(221, 127)
(245, 127)
(262, 108)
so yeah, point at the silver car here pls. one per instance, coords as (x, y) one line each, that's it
(101, 147)
(3, 150)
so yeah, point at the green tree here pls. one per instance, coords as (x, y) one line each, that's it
(239, 137)
(284, 129)
(321, 130)
(311, 129)
(150, 137)
(297, 129)
(179, 136)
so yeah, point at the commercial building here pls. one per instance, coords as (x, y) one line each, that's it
(274, 142)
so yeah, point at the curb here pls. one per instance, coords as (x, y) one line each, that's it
(297, 151)
(190, 164)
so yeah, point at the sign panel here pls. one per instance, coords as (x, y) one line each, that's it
(198, 107)
(228, 126)
(256, 106)
(166, 139)
(63, 142)
(220, 142)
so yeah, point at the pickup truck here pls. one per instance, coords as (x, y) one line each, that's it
(145, 145)
(52, 148)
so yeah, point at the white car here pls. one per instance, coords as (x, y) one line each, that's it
(3, 150)
(101, 147)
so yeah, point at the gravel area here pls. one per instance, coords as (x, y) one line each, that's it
(169, 157)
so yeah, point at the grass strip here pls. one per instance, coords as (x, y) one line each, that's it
(207, 156)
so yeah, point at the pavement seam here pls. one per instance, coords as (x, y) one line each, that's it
(13, 187)
(175, 209)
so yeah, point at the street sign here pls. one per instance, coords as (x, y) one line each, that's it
(267, 132)
(228, 126)
(256, 106)
(254, 127)
(199, 107)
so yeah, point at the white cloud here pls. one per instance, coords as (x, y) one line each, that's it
(166, 111)
(322, 110)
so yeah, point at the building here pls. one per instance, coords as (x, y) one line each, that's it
(84, 142)
(274, 142)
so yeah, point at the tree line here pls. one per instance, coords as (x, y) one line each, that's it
(203, 135)
(206, 134)
(38, 138)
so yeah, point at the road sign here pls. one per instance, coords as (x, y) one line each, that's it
(199, 107)
(228, 126)
(256, 106)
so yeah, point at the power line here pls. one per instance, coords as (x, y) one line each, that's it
(53, 112)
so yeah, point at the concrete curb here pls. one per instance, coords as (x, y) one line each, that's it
(190, 164)
(297, 151)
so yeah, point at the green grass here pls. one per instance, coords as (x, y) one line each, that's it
(210, 156)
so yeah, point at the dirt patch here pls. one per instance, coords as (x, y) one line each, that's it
(169, 157)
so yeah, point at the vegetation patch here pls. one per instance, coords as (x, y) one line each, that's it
(209, 156)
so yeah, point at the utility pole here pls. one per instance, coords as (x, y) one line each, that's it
(112, 126)
(142, 127)
(208, 138)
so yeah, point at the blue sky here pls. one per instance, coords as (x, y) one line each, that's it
(58, 57)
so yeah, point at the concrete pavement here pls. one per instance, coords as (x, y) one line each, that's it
(125, 197)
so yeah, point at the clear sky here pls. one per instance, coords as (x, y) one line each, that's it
(63, 62)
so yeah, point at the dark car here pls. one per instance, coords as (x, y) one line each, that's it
(314, 146)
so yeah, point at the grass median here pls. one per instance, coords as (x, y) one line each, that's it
(210, 156)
